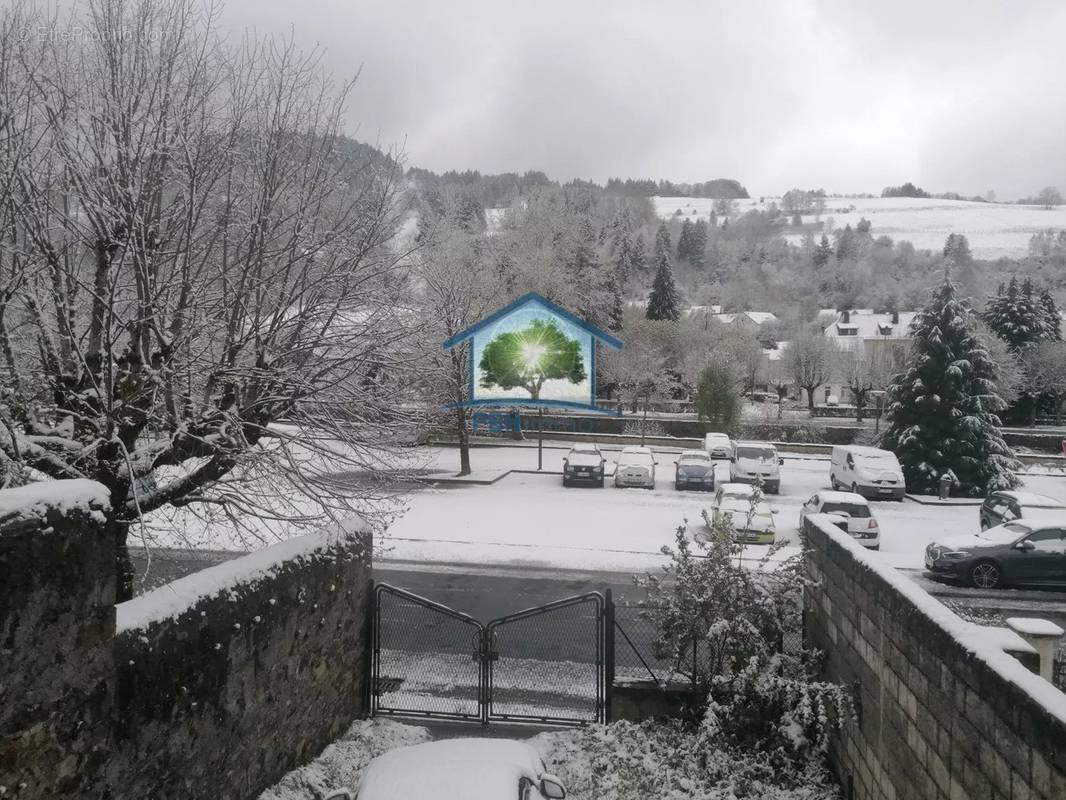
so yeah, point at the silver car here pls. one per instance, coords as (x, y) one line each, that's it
(472, 769)
(636, 467)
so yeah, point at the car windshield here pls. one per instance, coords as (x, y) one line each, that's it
(758, 453)
(636, 457)
(1013, 527)
(701, 458)
(853, 509)
(745, 496)
(585, 451)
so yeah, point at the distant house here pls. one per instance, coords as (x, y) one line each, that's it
(747, 320)
(866, 330)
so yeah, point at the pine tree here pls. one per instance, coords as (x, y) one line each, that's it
(684, 242)
(616, 307)
(1014, 316)
(699, 243)
(623, 257)
(664, 302)
(639, 258)
(1051, 322)
(943, 410)
(957, 249)
(822, 252)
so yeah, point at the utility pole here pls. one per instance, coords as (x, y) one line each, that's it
(540, 439)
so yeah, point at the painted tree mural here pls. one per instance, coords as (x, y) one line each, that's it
(527, 358)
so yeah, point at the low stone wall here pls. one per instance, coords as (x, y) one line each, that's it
(258, 671)
(57, 625)
(943, 713)
(210, 687)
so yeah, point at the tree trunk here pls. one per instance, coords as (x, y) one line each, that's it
(464, 441)
(123, 563)
(810, 398)
(859, 402)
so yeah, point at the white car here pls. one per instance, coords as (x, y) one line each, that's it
(471, 769)
(636, 467)
(753, 520)
(869, 471)
(584, 462)
(852, 512)
(719, 445)
(756, 462)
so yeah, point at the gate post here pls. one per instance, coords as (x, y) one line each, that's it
(608, 648)
(370, 636)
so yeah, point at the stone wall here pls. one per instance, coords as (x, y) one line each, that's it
(57, 625)
(942, 713)
(213, 686)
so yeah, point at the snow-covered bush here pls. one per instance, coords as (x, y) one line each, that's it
(735, 629)
(670, 761)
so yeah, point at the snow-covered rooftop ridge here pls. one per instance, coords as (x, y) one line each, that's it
(757, 317)
(177, 597)
(972, 638)
(864, 323)
(35, 500)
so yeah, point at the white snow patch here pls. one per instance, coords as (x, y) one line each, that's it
(174, 599)
(974, 639)
(1034, 627)
(35, 500)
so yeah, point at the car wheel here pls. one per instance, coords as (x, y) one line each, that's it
(601, 483)
(834, 484)
(566, 482)
(854, 488)
(984, 525)
(876, 547)
(985, 575)
(677, 486)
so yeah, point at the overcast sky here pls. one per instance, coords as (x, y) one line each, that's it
(851, 96)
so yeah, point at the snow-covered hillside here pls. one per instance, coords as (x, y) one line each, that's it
(993, 229)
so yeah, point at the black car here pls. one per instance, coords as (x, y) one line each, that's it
(1030, 551)
(584, 463)
(1000, 507)
(695, 470)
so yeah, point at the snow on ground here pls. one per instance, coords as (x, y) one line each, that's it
(993, 229)
(532, 519)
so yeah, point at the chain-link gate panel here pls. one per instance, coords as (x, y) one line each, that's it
(426, 658)
(546, 664)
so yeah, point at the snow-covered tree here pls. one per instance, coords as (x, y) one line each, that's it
(863, 370)
(942, 415)
(809, 360)
(664, 302)
(645, 369)
(716, 399)
(1014, 315)
(1051, 320)
(210, 313)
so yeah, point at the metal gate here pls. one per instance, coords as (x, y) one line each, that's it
(548, 664)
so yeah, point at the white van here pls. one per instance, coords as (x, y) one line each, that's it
(869, 471)
(756, 462)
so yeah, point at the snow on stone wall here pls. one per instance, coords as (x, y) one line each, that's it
(215, 686)
(943, 712)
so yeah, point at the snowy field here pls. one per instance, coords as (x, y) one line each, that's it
(531, 519)
(993, 229)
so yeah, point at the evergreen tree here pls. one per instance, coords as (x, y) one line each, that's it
(822, 252)
(623, 258)
(639, 259)
(943, 410)
(699, 243)
(664, 303)
(1014, 317)
(684, 242)
(713, 219)
(1051, 322)
(616, 305)
(846, 245)
(957, 249)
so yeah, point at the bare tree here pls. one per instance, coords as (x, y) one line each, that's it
(808, 359)
(211, 315)
(1049, 197)
(864, 370)
(1044, 369)
(644, 370)
(459, 288)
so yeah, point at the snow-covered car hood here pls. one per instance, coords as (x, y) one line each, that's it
(476, 769)
(993, 537)
(583, 460)
(761, 520)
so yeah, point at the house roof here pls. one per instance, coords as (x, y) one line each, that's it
(758, 317)
(865, 324)
(532, 298)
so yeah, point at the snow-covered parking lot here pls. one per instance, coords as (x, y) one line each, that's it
(531, 518)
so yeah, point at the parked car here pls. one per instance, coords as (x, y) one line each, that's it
(853, 512)
(753, 519)
(695, 470)
(869, 471)
(1006, 506)
(584, 463)
(636, 467)
(1029, 551)
(756, 462)
(719, 445)
(472, 769)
